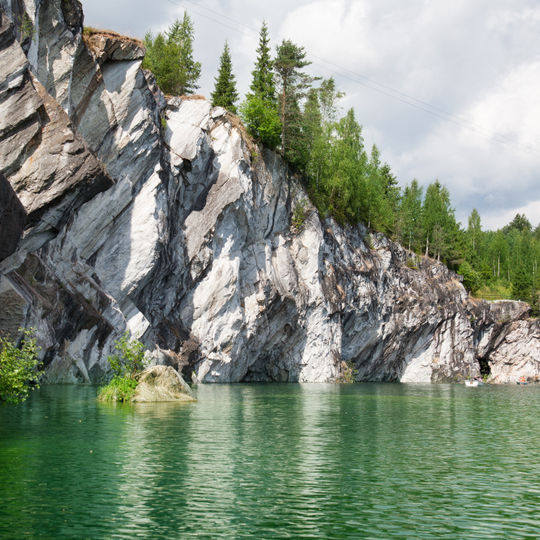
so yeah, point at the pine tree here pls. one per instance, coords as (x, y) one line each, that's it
(293, 84)
(225, 94)
(391, 195)
(259, 110)
(262, 84)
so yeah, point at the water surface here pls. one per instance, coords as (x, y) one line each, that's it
(275, 461)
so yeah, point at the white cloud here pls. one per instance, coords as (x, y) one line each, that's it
(477, 61)
(465, 58)
(512, 109)
(494, 220)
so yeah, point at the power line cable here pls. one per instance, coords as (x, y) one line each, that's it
(370, 83)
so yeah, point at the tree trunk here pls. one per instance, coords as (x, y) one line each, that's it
(283, 96)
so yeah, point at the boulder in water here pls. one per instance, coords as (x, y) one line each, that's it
(162, 383)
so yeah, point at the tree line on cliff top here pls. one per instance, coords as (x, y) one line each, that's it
(290, 111)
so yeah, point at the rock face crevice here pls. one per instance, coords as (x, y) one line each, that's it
(161, 217)
(12, 218)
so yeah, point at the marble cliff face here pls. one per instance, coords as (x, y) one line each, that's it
(122, 209)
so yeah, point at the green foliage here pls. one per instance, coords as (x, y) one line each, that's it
(261, 120)
(438, 222)
(408, 217)
(26, 27)
(522, 284)
(18, 368)
(348, 373)
(299, 215)
(89, 31)
(493, 291)
(126, 365)
(130, 359)
(519, 223)
(319, 118)
(342, 179)
(259, 111)
(472, 280)
(474, 230)
(262, 84)
(506, 260)
(225, 94)
(170, 58)
(535, 304)
(119, 389)
(293, 84)
(368, 241)
(411, 263)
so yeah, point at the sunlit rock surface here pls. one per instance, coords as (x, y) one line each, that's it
(161, 217)
(161, 383)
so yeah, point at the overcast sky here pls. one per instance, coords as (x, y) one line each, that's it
(447, 89)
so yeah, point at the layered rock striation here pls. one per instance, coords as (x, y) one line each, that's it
(162, 217)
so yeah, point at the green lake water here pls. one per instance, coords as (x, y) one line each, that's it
(275, 461)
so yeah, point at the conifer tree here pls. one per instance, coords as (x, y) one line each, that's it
(262, 84)
(259, 110)
(293, 86)
(225, 94)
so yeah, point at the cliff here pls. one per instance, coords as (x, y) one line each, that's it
(162, 217)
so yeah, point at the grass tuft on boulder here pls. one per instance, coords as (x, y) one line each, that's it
(126, 365)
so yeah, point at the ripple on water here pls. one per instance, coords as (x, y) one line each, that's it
(275, 461)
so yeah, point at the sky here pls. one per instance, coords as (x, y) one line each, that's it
(448, 90)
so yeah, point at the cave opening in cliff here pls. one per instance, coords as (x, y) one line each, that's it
(485, 369)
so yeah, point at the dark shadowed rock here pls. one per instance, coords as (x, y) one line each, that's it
(11, 312)
(12, 218)
(73, 14)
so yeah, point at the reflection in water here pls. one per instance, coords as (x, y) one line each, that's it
(320, 461)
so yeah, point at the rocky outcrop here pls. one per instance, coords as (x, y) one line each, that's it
(47, 163)
(161, 383)
(512, 351)
(175, 226)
